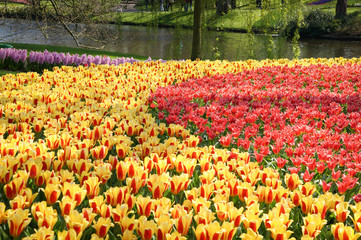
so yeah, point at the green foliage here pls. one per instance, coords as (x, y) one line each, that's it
(315, 23)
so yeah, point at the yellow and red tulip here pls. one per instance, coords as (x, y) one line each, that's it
(342, 232)
(183, 223)
(17, 221)
(102, 226)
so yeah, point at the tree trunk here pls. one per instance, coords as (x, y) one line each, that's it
(197, 25)
(222, 6)
(341, 8)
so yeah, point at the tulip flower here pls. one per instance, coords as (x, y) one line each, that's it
(183, 223)
(179, 183)
(204, 216)
(292, 181)
(92, 187)
(52, 193)
(76, 221)
(18, 220)
(158, 185)
(251, 235)
(244, 190)
(319, 206)
(102, 226)
(41, 234)
(67, 205)
(281, 232)
(200, 202)
(99, 153)
(341, 211)
(121, 170)
(342, 232)
(71, 234)
(53, 142)
(48, 218)
(251, 218)
(146, 229)
(129, 235)
(307, 189)
(175, 236)
(74, 192)
(15, 186)
(144, 205)
(357, 221)
(20, 202)
(164, 226)
(206, 190)
(313, 223)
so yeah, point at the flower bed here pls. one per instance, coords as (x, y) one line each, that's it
(17, 60)
(82, 157)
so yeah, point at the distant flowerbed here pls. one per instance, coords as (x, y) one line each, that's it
(19, 60)
(182, 150)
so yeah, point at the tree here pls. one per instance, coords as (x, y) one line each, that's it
(77, 17)
(222, 6)
(197, 25)
(341, 8)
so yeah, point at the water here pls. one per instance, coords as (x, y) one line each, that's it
(169, 43)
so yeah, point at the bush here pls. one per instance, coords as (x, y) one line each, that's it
(316, 23)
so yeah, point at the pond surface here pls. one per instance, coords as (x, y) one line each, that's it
(175, 43)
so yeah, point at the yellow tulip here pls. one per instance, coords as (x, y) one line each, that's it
(76, 221)
(41, 234)
(313, 223)
(144, 205)
(183, 223)
(292, 181)
(342, 232)
(53, 142)
(164, 226)
(175, 236)
(146, 229)
(205, 216)
(70, 234)
(341, 211)
(92, 187)
(251, 235)
(74, 192)
(67, 205)
(102, 226)
(251, 218)
(18, 220)
(280, 232)
(128, 235)
(52, 193)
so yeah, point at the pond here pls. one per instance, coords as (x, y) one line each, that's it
(175, 43)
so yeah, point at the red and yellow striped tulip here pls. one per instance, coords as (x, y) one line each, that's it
(71, 234)
(342, 232)
(102, 226)
(146, 229)
(18, 220)
(183, 223)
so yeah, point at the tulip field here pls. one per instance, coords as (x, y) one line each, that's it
(178, 150)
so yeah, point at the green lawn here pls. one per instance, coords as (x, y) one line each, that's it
(243, 18)
(4, 72)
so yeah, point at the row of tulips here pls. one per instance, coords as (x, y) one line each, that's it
(19, 60)
(302, 118)
(82, 157)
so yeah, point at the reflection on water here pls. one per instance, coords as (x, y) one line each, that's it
(168, 43)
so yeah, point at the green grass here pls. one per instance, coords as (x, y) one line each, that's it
(4, 72)
(244, 18)
(71, 50)
(240, 19)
